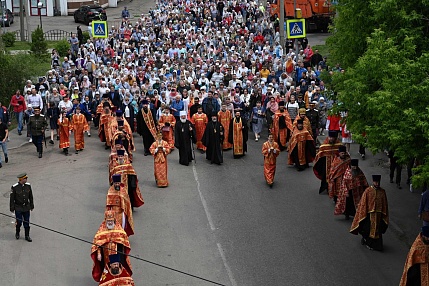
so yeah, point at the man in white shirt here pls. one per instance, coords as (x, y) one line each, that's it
(35, 99)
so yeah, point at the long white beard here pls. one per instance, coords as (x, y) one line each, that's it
(110, 225)
(183, 120)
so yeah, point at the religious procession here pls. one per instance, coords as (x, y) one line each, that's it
(205, 77)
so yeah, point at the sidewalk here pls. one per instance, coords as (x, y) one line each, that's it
(16, 141)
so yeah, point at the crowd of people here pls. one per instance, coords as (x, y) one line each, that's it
(208, 73)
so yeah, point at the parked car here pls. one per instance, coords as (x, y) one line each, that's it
(87, 13)
(7, 18)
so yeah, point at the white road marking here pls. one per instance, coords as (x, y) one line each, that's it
(212, 227)
(225, 263)
(203, 200)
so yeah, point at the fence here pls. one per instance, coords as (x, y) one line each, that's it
(51, 35)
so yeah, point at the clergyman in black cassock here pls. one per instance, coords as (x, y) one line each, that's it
(184, 137)
(212, 139)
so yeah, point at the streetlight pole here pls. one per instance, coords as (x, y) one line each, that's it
(282, 25)
(3, 5)
(40, 5)
(21, 20)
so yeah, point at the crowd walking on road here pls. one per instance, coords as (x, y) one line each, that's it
(204, 76)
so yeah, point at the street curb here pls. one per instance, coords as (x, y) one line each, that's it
(19, 146)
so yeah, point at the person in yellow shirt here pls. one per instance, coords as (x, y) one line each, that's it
(265, 72)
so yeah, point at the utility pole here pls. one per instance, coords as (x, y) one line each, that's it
(295, 40)
(21, 20)
(27, 14)
(3, 6)
(282, 24)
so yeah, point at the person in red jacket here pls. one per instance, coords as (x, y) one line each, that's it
(333, 123)
(19, 106)
(258, 38)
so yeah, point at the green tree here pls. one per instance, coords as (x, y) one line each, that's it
(386, 82)
(62, 47)
(38, 46)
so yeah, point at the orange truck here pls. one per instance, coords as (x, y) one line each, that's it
(317, 13)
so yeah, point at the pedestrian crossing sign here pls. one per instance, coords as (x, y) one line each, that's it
(99, 29)
(295, 28)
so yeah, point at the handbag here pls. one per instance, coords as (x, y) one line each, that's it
(425, 216)
(254, 120)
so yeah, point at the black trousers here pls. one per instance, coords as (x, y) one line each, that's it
(38, 142)
(398, 168)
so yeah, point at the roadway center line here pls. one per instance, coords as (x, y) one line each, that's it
(203, 200)
(225, 263)
(212, 227)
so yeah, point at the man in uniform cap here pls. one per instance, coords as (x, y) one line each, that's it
(372, 216)
(416, 268)
(37, 126)
(21, 202)
(339, 166)
(352, 187)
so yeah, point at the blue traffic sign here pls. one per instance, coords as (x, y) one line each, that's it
(99, 29)
(295, 28)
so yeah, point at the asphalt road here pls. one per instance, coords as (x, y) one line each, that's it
(219, 222)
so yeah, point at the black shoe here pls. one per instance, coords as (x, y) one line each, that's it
(27, 235)
(51, 141)
(391, 180)
(17, 233)
(40, 154)
(347, 217)
(363, 157)
(76, 152)
(6, 159)
(1, 165)
(271, 185)
(58, 137)
(106, 147)
(398, 186)
(19, 133)
(146, 153)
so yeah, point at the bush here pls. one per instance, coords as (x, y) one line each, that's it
(16, 69)
(39, 45)
(8, 39)
(86, 36)
(62, 47)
